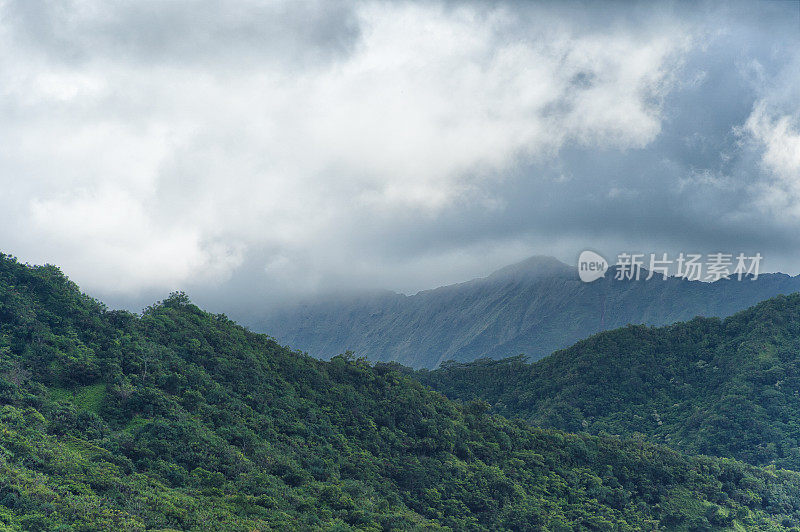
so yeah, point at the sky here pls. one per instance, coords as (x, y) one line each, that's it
(251, 153)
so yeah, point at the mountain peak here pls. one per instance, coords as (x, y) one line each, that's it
(535, 266)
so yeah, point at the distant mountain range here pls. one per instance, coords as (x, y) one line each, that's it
(533, 307)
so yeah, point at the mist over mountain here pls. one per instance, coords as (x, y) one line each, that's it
(533, 307)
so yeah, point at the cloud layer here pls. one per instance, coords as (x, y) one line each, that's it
(255, 151)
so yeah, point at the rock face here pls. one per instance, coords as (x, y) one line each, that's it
(533, 307)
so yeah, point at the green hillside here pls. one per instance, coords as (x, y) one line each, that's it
(720, 387)
(181, 420)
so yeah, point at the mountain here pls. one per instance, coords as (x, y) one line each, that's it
(720, 387)
(177, 419)
(534, 308)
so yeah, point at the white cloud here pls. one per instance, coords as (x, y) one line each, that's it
(781, 141)
(110, 234)
(139, 169)
(778, 137)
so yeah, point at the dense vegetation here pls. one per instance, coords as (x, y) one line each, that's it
(533, 307)
(720, 387)
(180, 419)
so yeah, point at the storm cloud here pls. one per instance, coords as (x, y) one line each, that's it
(249, 152)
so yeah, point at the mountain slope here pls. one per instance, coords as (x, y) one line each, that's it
(722, 387)
(534, 307)
(179, 419)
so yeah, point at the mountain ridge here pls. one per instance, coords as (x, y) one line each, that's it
(723, 387)
(532, 307)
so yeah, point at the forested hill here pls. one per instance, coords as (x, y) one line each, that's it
(531, 308)
(177, 419)
(721, 387)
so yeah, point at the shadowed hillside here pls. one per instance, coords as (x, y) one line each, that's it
(722, 387)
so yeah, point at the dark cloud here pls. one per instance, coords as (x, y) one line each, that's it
(253, 152)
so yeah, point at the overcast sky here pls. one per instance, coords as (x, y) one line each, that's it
(250, 151)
